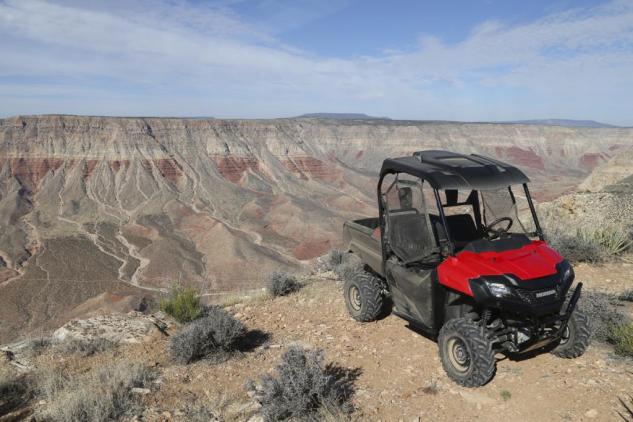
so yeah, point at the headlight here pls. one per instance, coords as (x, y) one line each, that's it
(499, 290)
(566, 271)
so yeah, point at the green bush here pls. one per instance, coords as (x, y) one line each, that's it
(621, 336)
(183, 304)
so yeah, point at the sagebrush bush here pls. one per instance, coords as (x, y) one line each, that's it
(576, 248)
(183, 304)
(214, 336)
(281, 284)
(14, 391)
(36, 346)
(100, 395)
(85, 347)
(343, 264)
(334, 259)
(603, 312)
(303, 388)
(591, 245)
(621, 336)
(627, 296)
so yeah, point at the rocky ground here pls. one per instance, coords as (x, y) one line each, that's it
(398, 373)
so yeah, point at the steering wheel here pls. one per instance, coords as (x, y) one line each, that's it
(494, 233)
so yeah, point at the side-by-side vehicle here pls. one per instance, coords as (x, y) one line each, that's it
(457, 250)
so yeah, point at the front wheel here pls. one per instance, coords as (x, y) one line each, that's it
(576, 337)
(466, 352)
(363, 296)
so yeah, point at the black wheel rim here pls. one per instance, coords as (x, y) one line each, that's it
(354, 298)
(458, 354)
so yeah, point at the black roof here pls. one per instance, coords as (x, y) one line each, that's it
(450, 170)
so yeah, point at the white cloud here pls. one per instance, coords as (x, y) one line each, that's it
(174, 51)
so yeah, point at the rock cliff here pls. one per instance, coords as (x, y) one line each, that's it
(131, 205)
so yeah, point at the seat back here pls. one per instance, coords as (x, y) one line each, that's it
(409, 235)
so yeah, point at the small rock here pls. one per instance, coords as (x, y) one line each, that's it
(137, 390)
(591, 413)
(256, 418)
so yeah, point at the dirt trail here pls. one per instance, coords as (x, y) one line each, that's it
(400, 374)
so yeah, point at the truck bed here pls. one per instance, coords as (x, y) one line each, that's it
(362, 237)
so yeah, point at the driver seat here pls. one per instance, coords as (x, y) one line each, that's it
(461, 226)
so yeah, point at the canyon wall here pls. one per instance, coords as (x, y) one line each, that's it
(109, 208)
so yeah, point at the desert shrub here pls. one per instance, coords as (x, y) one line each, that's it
(50, 381)
(334, 259)
(281, 284)
(183, 304)
(603, 312)
(304, 388)
(621, 336)
(576, 248)
(14, 392)
(214, 337)
(100, 395)
(627, 296)
(588, 245)
(85, 347)
(343, 264)
(36, 346)
(612, 241)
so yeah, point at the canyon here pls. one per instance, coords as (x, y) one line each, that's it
(98, 212)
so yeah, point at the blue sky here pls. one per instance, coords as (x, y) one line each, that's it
(474, 60)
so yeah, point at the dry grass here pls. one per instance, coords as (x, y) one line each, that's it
(100, 395)
(86, 347)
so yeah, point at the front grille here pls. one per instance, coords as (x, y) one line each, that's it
(538, 296)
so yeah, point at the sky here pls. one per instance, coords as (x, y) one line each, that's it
(469, 60)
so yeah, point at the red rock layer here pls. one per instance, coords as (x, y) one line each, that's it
(591, 160)
(115, 165)
(306, 166)
(521, 157)
(30, 171)
(232, 167)
(90, 167)
(169, 168)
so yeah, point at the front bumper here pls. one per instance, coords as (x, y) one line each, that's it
(536, 297)
(550, 329)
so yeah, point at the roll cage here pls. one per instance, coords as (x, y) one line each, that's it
(447, 173)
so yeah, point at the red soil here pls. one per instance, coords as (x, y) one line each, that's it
(311, 249)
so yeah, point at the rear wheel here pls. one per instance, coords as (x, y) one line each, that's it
(363, 296)
(466, 352)
(576, 337)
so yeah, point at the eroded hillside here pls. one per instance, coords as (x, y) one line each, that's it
(130, 205)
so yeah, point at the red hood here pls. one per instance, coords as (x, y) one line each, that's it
(534, 260)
